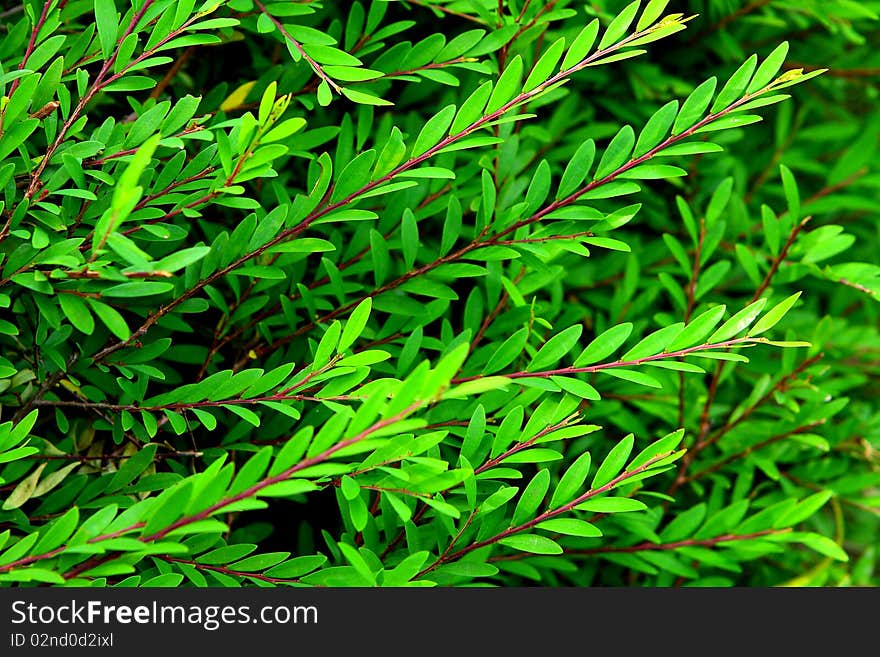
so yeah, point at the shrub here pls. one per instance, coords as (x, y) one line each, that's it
(313, 293)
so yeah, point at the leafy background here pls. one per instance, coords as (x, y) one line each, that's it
(268, 321)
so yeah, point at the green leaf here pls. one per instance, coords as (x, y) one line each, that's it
(617, 153)
(460, 44)
(509, 351)
(555, 348)
(613, 463)
(472, 108)
(536, 455)
(433, 130)
(531, 497)
(361, 97)
(77, 312)
(736, 85)
(698, 328)
(20, 548)
(690, 148)
(612, 505)
(251, 471)
(107, 23)
(572, 481)
(545, 66)
(694, 106)
(576, 387)
(619, 25)
(507, 87)
(721, 355)
(730, 122)
(60, 530)
(227, 554)
(296, 567)
(653, 172)
(181, 259)
(657, 128)
(577, 169)
(653, 10)
(497, 499)
(773, 315)
(303, 245)
(539, 187)
(533, 543)
(288, 488)
(658, 448)
(792, 197)
(354, 557)
(684, 524)
(768, 68)
(391, 155)
(355, 324)
(739, 322)
(824, 545)
(132, 467)
(655, 343)
(259, 562)
(16, 136)
(183, 111)
(138, 289)
(570, 527)
(409, 237)
(325, 96)
(581, 45)
(111, 318)
(168, 507)
(128, 251)
(604, 344)
(805, 509)
(283, 130)
(354, 176)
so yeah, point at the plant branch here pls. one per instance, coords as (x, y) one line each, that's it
(296, 44)
(496, 239)
(563, 371)
(647, 546)
(229, 571)
(753, 448)
(32, 42)
(350, 198)
(99, 83)
(547, 515)
(705, 425)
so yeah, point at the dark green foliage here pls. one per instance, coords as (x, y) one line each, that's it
(438, 293)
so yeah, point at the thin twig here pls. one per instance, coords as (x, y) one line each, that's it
(296, 44)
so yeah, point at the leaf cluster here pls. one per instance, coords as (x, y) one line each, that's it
(495, 293)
